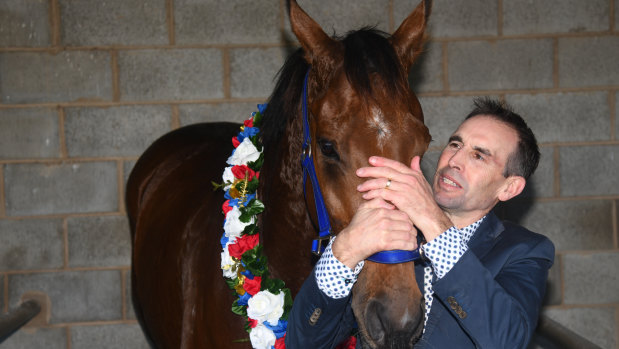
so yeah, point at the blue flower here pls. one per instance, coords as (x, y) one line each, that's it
(237, 202)
(279, 330)
(262, 107)
(248, 274)
(247, 132)
(243, 299)
(224, 241)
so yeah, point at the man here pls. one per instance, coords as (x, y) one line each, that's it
(499, 269)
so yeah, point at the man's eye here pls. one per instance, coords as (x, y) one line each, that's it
(454, 145)
(478, 156)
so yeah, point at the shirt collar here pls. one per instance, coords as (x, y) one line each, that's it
(468, 231)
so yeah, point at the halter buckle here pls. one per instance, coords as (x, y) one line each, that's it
(317, 245)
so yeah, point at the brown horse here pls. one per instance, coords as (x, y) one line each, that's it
(360, 105)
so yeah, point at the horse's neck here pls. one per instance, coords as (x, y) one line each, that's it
(286, 228)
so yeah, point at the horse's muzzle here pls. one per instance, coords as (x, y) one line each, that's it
(387, 331)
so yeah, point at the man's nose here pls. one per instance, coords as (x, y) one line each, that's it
(455, 161)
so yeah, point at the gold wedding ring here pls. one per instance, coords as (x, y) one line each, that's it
(388, 183)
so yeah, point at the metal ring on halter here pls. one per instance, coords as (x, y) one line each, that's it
(388, 183)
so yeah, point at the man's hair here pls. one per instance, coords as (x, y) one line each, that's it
(524, 160)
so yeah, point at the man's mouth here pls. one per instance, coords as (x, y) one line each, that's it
(450, 182)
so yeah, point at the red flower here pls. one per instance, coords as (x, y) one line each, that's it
(235, 141)
(279, 343)
(350, 343)
(240, 171)
(226, 207)
(252, 286)
(249, 122)
(252, 323)
(242, 244)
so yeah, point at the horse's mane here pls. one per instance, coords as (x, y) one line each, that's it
(366, 51)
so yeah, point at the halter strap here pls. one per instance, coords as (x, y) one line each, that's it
(394, 256)
(307, 162)
(324, 226)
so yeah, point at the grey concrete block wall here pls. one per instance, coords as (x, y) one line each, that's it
(115, 22)
(76, 296)
(502, 65)
(85, 86)
(555, 16)
(108, 337)
(96, 241)
(39, 189)
(29, 133)
(182, 74)
(24, 23)
(114, 131)
(37, 77)
(31, 244)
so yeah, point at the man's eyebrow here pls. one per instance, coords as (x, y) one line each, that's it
(483, 151)
(455, 138)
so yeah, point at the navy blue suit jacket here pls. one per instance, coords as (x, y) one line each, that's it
(489, 299)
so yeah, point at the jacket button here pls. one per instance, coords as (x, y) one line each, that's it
(315, 315)
(462, 314)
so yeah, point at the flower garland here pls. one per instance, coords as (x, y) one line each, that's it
(263, 301)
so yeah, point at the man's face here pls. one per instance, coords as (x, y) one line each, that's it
(469, 175)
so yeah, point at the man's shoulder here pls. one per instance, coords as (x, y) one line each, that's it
(519, 236)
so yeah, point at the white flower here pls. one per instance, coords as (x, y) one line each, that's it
(228, 178)
(244, 153)
(228, 264)
(265, 306)
(233, 227)
(261, 337)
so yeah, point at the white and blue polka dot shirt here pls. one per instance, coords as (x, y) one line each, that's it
(336, 279)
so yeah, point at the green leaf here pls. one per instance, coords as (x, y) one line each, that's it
(255, 261)
(273, 285)
(239, 309)
(231, 282)
(257, 119)
(251, 229)
(253, 208)
(252, 185)
(217, 186)
(256, 165)
(287, 303)
(245, 217)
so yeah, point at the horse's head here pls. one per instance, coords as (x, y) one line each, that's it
(360, 105)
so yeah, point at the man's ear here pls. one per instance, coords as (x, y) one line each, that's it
(513, 186)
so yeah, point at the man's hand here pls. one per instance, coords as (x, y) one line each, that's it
(377, 226)
(408, 190)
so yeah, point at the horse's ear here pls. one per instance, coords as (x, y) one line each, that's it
(321, 51)
(409, 37)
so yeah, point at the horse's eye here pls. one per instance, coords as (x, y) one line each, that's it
(328, 149)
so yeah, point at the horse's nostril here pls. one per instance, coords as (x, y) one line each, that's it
(386, 329)
(375, 324)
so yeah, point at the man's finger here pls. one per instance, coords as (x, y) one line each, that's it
(376, 202)
(380, 161)
(416, 163)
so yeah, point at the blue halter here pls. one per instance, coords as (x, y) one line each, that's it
(324, 226)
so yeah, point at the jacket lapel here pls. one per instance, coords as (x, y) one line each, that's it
(486, 235)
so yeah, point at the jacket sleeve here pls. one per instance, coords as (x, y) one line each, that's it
(317, 320)
(498, 306)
